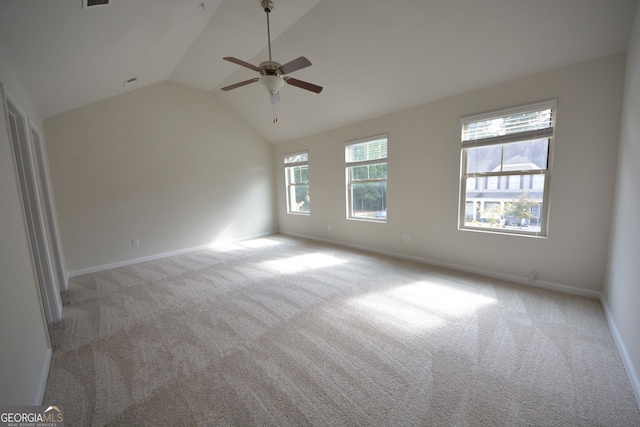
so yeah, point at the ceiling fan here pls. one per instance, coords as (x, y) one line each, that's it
(273, 75)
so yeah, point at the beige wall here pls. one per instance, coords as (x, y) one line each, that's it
(622, 293)
(24, 342)
(424, 159)
(166, 164)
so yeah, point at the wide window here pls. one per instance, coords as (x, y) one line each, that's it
(366, 169)
(296, 173)
(509, 151)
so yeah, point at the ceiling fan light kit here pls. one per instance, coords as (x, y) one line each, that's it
(272, 83)
(273, 75)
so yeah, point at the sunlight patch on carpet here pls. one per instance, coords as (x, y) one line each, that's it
(299, 263)
(259, 243)
(420, 306)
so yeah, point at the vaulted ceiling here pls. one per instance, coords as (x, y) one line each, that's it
(371, 56)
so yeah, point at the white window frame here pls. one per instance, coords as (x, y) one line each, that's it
(290, 187)
(502, 140)
(349, 182)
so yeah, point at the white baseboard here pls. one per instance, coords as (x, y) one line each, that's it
(95, 269)
(44, 375)
(487, 273)
(508, 277)
(622, 349)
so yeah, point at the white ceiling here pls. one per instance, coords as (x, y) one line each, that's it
(371, 56)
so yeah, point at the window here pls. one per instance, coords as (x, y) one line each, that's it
(296, 173)
(492, 183)
(511, 151)
(471, 183)
(366, 170)
(537, 182)
(514, 182)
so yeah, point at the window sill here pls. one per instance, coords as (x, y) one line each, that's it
(377, 221)
(504, 232)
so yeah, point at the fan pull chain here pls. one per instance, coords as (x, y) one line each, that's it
(275, 114)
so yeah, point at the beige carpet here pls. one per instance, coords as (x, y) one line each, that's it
(282, 331)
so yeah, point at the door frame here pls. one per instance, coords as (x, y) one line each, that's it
(31, 196)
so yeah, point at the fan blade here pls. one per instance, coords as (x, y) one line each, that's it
(241, 62)
(295, 65)
(303, 85)
(246, 82)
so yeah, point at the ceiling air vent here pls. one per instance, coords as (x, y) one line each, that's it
(90, 4)
(130, 81)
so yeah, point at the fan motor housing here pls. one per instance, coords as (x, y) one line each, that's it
(270, 68)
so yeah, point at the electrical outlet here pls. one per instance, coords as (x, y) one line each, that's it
(329, 227)
(135, 242)
(406, 238)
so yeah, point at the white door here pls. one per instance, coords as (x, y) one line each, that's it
(35, 221)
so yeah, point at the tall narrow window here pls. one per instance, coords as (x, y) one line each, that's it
(296, 173)
(366, 170)
(513, 147)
